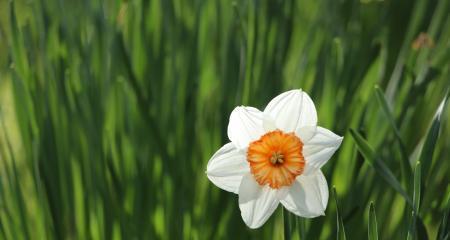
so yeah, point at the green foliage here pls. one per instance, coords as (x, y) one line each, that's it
(340, 230)
(110, 111)
(379, 166)
(372, 226)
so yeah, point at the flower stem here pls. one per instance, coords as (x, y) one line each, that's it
(301, 228)
(287, 224)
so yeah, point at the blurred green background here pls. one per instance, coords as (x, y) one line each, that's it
(110, 110)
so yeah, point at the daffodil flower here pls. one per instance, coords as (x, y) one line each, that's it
(275, 157)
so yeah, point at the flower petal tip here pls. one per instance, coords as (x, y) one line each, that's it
(252, 227)
(340, 140)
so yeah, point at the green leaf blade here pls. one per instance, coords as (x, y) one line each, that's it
(404, 163)
(416, 202)
(426, 156)
(372, 226)
(378, 165)
(339, 224)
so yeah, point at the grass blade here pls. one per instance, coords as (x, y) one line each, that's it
(426, 156)
(301, 228)
(286, 224)
(444, 227)
(340, 224)
(373, 228)
(404, 163)
(378, 165)
(416, 202)
(417, 185)
(19, 198)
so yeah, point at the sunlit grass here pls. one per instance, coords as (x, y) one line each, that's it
(110, 111)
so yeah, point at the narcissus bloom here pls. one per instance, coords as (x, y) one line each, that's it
(275, 157)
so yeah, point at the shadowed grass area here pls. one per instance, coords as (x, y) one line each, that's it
(110, 111)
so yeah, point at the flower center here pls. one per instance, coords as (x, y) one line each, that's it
(276, 159)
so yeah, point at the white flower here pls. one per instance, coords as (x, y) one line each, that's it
(275, 156)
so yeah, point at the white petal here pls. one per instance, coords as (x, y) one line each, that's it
(268, 123)
(292, 110)
(227, 167)
(306, 133)
(320, 147)
(256, 202)
(245, 126)
(307, 196)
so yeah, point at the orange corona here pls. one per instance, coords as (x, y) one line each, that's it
(276, 159)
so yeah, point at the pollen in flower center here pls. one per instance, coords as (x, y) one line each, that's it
(276, 159)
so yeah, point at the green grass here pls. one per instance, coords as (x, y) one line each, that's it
(110, 111)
